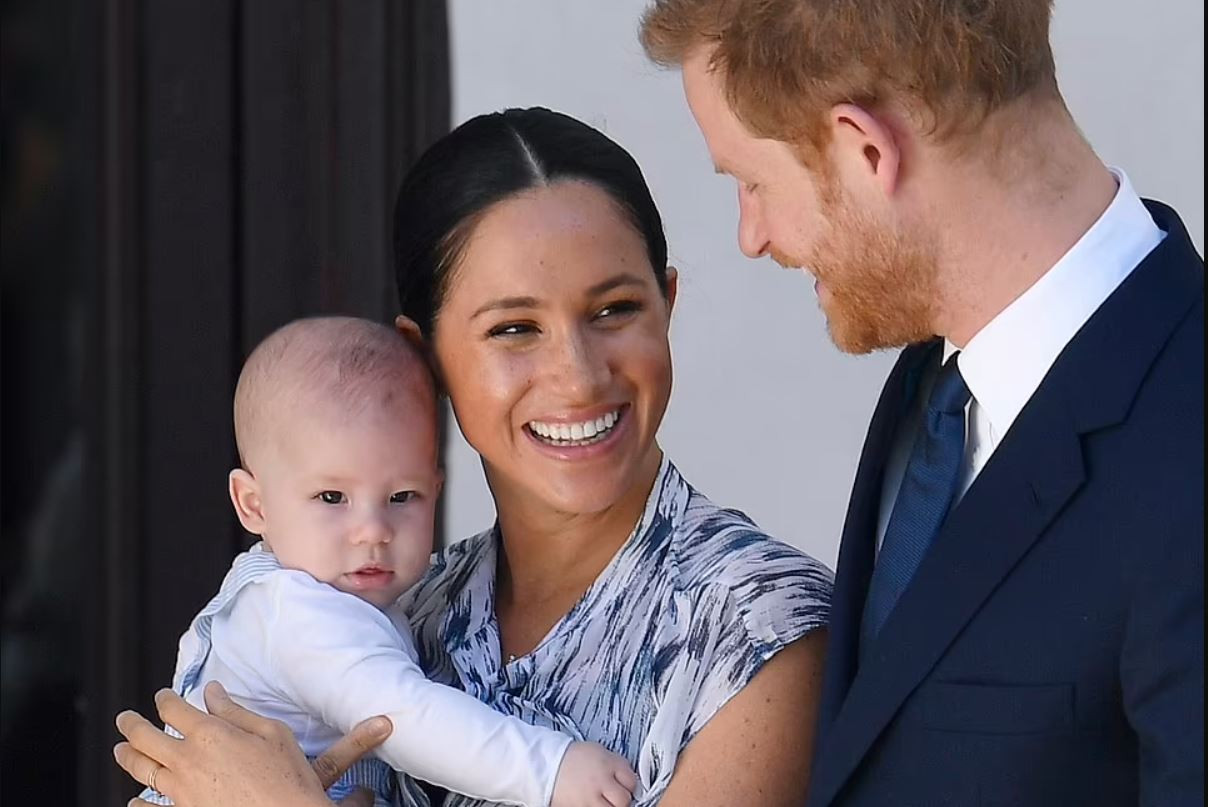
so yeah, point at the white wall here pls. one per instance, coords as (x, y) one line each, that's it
(766, 415)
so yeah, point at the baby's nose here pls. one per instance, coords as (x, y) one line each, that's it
(373, 529)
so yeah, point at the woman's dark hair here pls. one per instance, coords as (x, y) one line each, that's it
(491, 158)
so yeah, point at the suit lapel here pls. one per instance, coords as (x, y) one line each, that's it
(1034, 472)
(856, 553)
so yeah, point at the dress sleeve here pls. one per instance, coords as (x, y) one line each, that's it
(343, 660)
(767, 596)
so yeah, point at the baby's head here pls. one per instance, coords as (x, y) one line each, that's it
(335, 419)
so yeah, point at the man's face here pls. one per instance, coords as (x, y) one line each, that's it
(874, 277)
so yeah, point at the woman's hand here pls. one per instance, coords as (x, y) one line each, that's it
(233, 756)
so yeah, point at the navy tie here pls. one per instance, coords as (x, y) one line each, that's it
(924, 499)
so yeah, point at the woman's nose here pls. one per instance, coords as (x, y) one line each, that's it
(582, 369)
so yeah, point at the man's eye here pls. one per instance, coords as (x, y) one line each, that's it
(331, 497)
(402, 497)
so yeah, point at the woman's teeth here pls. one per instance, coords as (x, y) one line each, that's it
(575, 434)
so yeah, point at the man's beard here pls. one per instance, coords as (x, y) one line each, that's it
(880, 281)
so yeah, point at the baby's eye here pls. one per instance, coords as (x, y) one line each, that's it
(402, 497)
(331, 497)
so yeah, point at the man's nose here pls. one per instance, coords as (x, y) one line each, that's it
(752, 236)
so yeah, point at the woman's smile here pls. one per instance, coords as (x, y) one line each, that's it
(579, 437)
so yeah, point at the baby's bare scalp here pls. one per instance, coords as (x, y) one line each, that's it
(345, 364)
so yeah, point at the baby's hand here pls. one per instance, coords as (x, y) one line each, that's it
(592, 776)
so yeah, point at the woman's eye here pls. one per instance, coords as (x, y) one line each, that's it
(619, 309)
(512, 329)
(402, 497)
(331, 497)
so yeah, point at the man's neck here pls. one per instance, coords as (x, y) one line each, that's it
(1001, 234)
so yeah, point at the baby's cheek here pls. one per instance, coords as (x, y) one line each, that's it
(413, 568)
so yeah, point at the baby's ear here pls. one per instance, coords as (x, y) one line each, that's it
(245, 496)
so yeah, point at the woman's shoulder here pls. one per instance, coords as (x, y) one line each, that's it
(717, 545)
(737, 574)
(750, 596)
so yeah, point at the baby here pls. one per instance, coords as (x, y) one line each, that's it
(336, 423)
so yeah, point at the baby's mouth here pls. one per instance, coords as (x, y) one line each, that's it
(371, 576)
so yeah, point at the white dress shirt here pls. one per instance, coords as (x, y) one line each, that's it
(1005, 362)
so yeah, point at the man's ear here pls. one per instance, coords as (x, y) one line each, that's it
(245, 496)
(865, 147)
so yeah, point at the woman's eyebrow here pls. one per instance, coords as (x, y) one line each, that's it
(623, 279)
(505, 303)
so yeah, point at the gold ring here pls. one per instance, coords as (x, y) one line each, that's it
(151, 778)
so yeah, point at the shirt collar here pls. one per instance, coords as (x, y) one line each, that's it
(1005, 362)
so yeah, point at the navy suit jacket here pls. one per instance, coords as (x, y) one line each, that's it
(1050, 648)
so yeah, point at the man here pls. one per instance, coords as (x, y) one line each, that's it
(1018, 614)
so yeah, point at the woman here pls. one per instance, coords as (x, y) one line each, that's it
(610, 600)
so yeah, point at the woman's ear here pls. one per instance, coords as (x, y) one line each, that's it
(672, 287)
(245, 496)
(409, 328)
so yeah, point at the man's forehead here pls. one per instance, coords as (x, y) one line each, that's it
(702, 83)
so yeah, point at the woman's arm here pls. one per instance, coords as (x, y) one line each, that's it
(757, 748)
(232, 756)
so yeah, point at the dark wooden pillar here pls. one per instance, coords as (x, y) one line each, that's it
(246, 157)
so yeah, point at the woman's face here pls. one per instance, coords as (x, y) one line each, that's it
(552, 344)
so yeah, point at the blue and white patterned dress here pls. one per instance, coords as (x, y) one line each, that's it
(683, 617)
